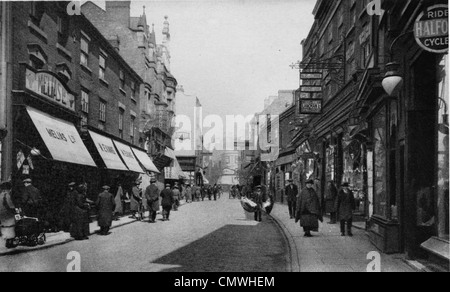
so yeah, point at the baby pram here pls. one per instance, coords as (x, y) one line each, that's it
(29, 232)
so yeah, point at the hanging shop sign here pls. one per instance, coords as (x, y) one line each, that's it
(311, 76)
(431, 29)
(311, 106)
(46, 84)
(311, 88)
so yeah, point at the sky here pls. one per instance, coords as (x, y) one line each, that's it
(232, 54)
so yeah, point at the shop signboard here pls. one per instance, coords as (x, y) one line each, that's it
(431, 29)
(311, 106)
(47, 85)
(311, 88)
(311, 75)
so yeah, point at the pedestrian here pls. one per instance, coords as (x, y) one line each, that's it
(105, 206)
(79, 229)
(259, 199)
(136, 201)
(167, 202)
(7, 214)
(215, 191)
(118, 202)
(345, 204)
(330, 201)
(31, 199)
(198, 193)
(176, 197)
(152, 193)
(308, 209)
(291, 192)
(188, 194)
(67, 209)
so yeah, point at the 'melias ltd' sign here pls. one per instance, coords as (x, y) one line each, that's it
(49, 86)
(431, 29)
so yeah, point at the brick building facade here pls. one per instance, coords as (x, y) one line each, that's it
(136, 43)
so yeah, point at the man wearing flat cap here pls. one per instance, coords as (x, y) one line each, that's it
(167, 202)
(308, 210)
(31, 199)
(105, 205)
(258, 198)
(291, 192)
(345, 204)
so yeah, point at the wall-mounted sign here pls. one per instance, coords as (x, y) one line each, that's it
(311, 88)
(311, 106)
(431, 29)
(46, 84)
(311, 75)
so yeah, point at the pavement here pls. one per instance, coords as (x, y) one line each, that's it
(54, 239)
(328, 251)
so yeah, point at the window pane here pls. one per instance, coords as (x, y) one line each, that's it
(101, 61)
(84, 59)
(84, 45)
(380, 171)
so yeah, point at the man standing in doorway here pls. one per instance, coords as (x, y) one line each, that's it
(291, 194)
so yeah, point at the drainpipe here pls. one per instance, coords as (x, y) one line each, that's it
(5, 91)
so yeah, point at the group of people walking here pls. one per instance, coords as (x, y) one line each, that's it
(200, 193)
(305, 206)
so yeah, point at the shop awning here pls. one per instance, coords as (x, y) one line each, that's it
(145, 160)
(175, 171)
(108, 152)
(127, 155)
(61, 138)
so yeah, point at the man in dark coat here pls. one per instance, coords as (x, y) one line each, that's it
(152, 195)
(80, 214)
(31, 199)
(167, 202)
(105, 205)
(176, 197)
(291, 192)
(345, 204)
(67, 209)
(330, 201)
(308, 209)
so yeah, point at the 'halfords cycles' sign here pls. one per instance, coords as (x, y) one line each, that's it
(431, 29)
(47, 85)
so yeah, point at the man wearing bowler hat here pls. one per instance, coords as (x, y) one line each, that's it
(345, 204)
(105, 205)
(291, 192)
(308, 210)
(152, 195)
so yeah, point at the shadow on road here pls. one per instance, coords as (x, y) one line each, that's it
(232, 248)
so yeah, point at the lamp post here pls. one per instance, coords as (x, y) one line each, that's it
(392, 79)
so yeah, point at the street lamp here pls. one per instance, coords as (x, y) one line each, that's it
(392, 79)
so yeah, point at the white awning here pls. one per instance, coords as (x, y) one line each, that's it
(108, 152)
(145, 160)
(127, 156)
(61, 138)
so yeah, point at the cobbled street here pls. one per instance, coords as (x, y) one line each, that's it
(209, 236)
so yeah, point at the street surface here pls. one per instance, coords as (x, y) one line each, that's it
(209, 236)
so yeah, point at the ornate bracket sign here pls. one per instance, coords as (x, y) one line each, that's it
(311, 106)
(431, 29)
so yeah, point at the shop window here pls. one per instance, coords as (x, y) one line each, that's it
(443, 149)
(379, 160)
